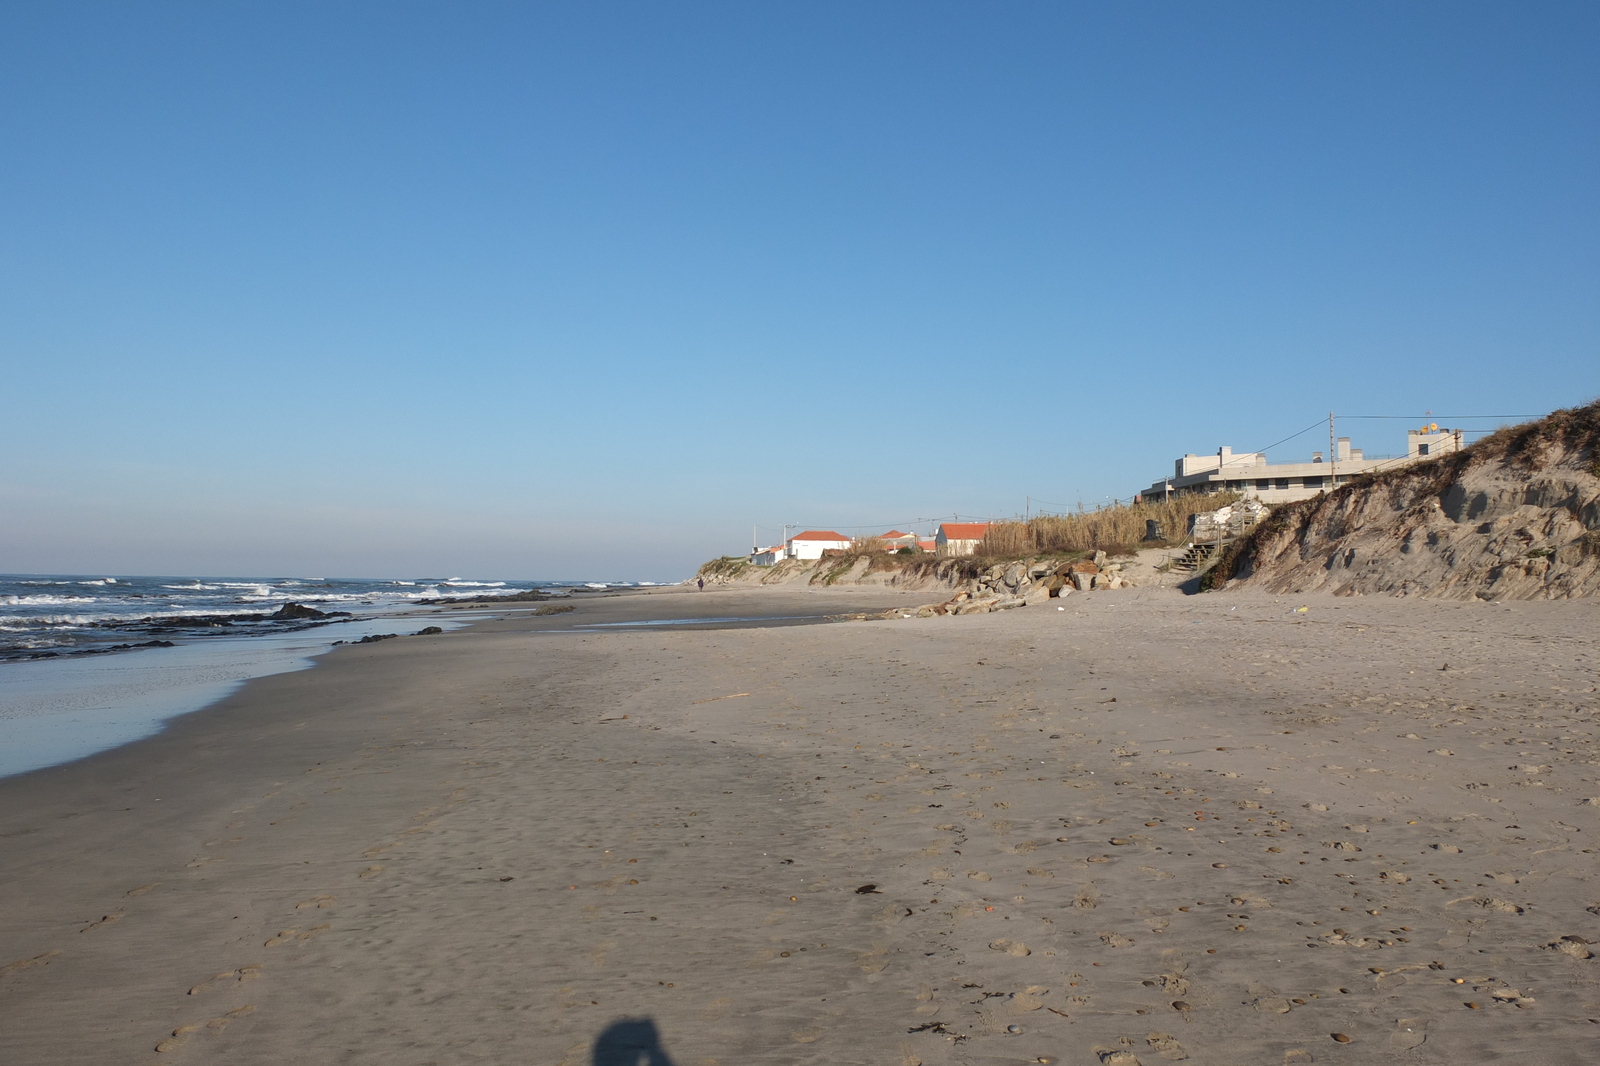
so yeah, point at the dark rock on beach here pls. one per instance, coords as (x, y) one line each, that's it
(295, 611)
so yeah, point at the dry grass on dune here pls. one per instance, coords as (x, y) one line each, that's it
(1111, 529)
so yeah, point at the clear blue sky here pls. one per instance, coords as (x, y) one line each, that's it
(585, 290)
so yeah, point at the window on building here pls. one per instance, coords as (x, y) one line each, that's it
(1283, 482)
(1313, 482)
(1422, 449)
(1263, 482)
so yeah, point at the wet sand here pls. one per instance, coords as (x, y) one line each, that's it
(1143, 827)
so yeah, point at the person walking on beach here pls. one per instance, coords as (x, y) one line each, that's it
(702, 584)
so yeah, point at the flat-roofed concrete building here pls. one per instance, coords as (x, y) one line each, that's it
(1271, 483)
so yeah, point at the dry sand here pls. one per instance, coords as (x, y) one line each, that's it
(1141, 828)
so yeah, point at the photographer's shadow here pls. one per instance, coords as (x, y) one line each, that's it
(630, 1042)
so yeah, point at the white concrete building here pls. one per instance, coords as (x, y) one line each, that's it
(959, 538)
(1273, 483)
(768, 556)
(813, 542)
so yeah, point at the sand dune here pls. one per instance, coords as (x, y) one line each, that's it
(1515, 516)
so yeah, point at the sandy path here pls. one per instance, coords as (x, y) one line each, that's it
(1145, 826)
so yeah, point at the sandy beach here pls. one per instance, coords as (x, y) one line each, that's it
(1140, 828)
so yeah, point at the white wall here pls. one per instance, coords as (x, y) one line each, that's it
(812, 549)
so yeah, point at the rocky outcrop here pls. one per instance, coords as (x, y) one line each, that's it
(1515, 516)
(295, 611)
(1024, 583)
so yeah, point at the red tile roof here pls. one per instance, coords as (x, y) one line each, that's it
(893, 534)
(964, 530)
(819, 534)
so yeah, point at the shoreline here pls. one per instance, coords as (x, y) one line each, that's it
(59, 707)
(500, 843)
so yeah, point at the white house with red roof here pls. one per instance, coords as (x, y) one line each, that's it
(894, 539)
(768, 556)
(813, 542)
(959, 538)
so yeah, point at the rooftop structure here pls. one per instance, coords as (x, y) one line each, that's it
(1249, 473)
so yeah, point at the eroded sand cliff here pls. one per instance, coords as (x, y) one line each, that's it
(1515, 516)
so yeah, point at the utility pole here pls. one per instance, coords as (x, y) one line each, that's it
(1333, 456)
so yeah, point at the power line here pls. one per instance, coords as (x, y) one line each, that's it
(1315, 425)
(1136, 496)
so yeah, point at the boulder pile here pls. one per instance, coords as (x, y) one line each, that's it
(1004, 586)
(1234, 520)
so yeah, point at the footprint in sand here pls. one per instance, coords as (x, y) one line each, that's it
(286, 935)
(142, 889)
(106, 920)
(244, 973)
(1174, 984)
(178, 1038)
(1576, 946)
(181, 1034)
(321, 902)
(1108, 1056)
(23, 964)
(371, 871)
(1167, 1046)
(1029, 999)
(1409, 1033)
(1015, 948)
(874, 961)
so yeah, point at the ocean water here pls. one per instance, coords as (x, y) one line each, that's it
(54, 616)
(79, 674)
(55, 711)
